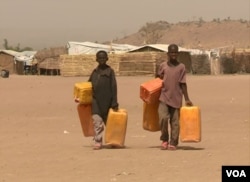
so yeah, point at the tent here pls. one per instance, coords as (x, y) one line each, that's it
(25, 62)
(77, 48)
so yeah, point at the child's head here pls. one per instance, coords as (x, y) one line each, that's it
(102, 57)
(173, 48)
(173, 51)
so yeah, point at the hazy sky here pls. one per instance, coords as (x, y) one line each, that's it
(48, 23)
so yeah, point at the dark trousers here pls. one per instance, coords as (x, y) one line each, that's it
(169, 116)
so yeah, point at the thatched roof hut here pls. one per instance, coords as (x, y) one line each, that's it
(48, 59)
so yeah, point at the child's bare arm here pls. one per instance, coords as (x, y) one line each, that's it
(185, 93)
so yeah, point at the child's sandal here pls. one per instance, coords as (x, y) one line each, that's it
(97, 146)
(171, 147)
(164, 146)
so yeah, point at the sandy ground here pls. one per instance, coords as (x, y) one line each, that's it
(41, 138)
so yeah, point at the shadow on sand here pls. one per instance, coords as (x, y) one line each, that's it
(109, 147)
(127, 147)
(182, 148)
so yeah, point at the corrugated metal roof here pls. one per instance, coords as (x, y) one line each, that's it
(9, 52)
(25, 56)
(164, 48)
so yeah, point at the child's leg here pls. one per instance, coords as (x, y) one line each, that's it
(98, 127)
(175, 128)
(163, 119)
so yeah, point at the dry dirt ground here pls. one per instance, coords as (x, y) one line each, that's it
(41, 138)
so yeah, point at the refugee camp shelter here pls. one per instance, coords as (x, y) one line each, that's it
(143, 60)
(236, 60)
(78, 48)
(48, 60)
(124, 64)
(184, 55)
(7, 60)
(196, 61)
(25, 62)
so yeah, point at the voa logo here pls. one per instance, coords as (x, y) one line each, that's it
(236, 173)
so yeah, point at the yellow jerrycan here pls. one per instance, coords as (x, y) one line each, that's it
(116, 127)
(83, 92)
(190, 124)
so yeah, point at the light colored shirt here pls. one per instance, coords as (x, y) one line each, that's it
(173, 76)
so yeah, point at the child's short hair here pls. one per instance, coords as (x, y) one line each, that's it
(101, 51)
(172, 46)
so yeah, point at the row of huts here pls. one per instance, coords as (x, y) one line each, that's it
(45, 62)
(78, 59)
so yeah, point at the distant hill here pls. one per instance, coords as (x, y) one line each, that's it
(193, 34)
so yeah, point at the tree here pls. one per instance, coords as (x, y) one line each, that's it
(16, 48)
(5, 44)
(153, 31)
